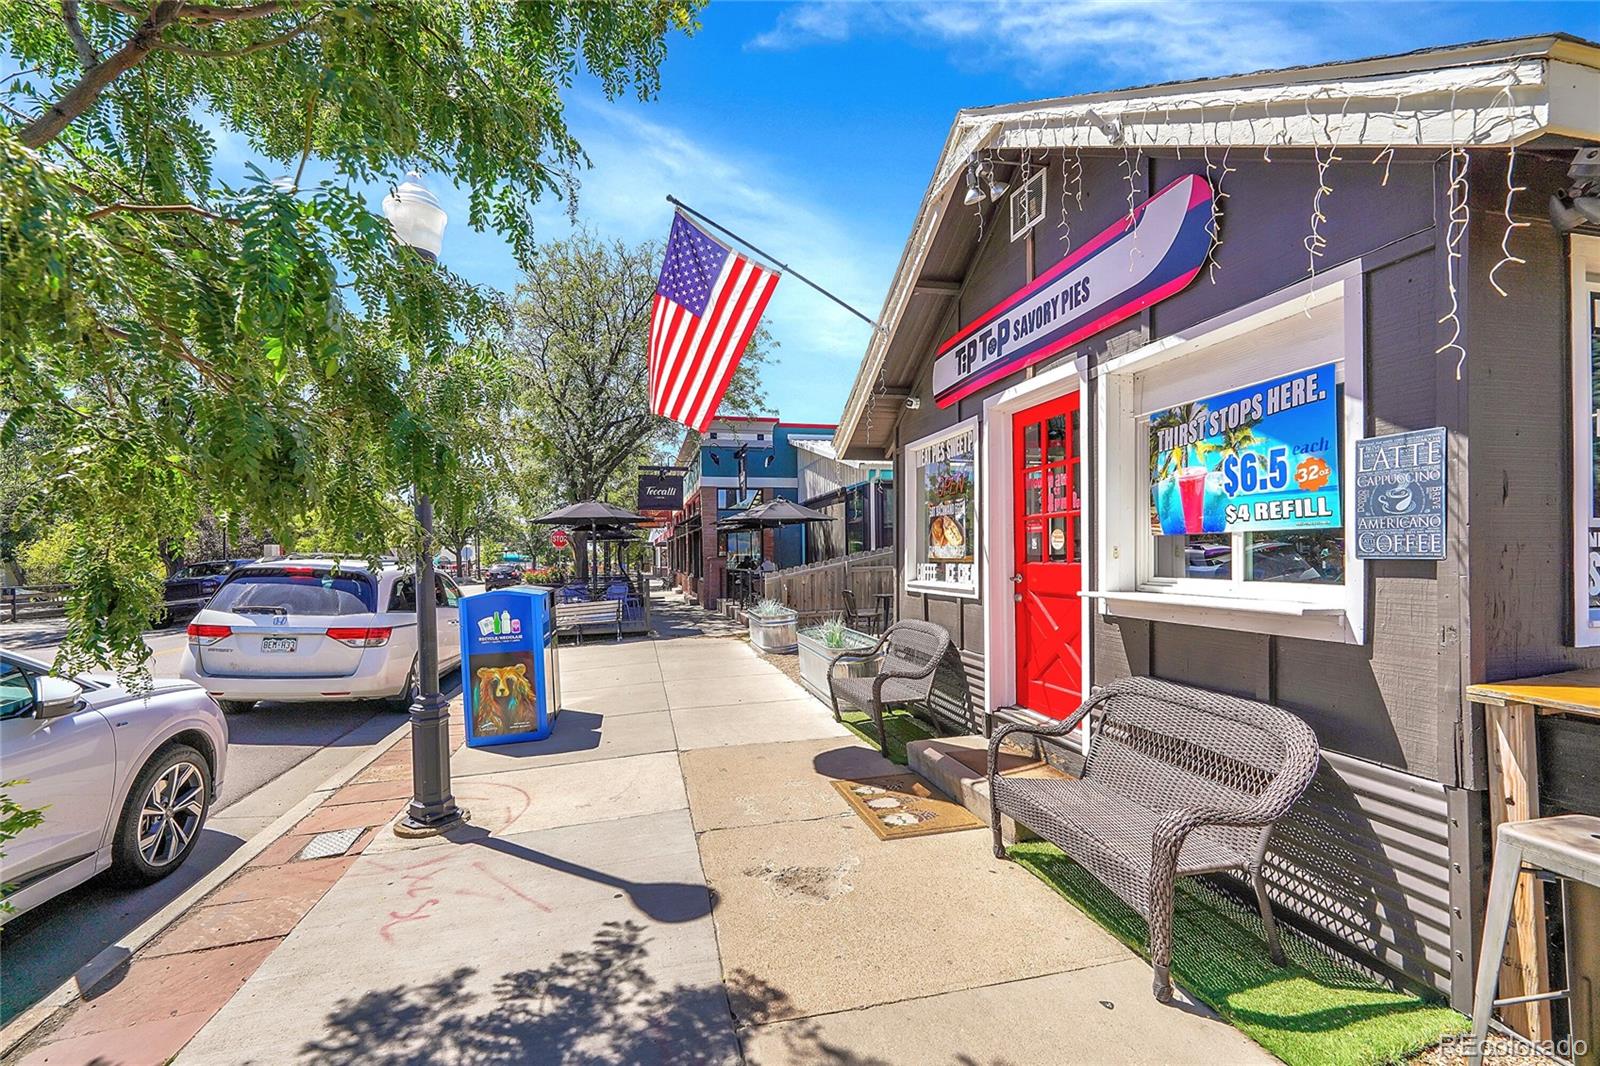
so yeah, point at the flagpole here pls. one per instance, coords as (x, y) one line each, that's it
(786, 268)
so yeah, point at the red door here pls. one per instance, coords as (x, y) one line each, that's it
(1050, 544)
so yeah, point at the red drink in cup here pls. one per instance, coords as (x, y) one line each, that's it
(1192, 491)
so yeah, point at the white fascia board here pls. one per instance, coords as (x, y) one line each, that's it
(1495, 103)
(1574, 100)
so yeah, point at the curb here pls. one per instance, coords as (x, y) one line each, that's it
(97, 969)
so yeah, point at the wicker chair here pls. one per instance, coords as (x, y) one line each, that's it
(910, 654)
(1178, 781)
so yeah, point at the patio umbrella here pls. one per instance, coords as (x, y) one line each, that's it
(592, 514)
(775, 513)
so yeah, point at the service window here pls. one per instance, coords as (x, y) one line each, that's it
(1224, 461)
(942, 536)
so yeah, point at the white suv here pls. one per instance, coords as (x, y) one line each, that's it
(303, 629)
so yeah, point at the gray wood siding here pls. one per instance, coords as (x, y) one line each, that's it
(1521, 471)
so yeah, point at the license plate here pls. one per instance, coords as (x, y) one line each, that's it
(279, 643)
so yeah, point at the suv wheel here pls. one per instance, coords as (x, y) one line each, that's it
(163, 815)
(401, 702)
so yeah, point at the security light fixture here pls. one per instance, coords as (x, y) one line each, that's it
(997, 188)
(974, 193)
(1579, 204)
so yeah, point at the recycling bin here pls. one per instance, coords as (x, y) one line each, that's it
(511, 688)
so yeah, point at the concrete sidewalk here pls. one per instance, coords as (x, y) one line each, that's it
(669, 879)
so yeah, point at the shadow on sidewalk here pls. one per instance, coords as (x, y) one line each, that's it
(661, 901)
(598, 1006)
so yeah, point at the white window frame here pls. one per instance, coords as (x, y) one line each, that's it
(1317, 321)
(1585, 283)
(913, 507)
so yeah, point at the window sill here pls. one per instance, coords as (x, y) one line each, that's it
(1311, 621)
(962, 592)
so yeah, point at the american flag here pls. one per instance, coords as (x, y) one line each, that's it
(708, 302)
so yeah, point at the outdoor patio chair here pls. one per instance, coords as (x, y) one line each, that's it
(861, 621)
(1179, 781)
(908, 657)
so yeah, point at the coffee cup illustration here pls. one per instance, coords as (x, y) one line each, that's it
(1399, 498)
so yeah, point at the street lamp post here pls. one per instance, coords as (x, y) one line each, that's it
(419, 222)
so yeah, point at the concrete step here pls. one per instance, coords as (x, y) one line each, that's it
(959, 767)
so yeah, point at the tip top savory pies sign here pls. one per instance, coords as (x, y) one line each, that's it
(1148, 256)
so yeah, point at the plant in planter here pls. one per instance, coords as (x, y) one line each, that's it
(821, 645)
(772, 627)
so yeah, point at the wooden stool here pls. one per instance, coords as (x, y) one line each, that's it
(1567, 846)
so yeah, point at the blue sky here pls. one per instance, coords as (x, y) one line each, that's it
(813, 129)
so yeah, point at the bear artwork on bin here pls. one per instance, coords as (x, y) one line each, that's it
(509, 676)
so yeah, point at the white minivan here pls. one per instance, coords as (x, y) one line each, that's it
(299, 629)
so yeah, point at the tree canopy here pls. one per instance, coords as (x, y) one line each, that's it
(267, 350)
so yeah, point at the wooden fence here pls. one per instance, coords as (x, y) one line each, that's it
(32, 602)
(816, 590)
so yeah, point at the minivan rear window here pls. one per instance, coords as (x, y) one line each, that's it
(286, 591)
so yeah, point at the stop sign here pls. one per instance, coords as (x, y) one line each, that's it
(558, 539)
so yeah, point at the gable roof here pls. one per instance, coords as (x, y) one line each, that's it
(1486, 94)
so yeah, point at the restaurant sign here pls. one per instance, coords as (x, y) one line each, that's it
(1400, 494)
(1262, 457)
(660, 489)
(1153, 253)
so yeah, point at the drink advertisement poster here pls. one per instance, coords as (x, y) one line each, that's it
(1262, 457)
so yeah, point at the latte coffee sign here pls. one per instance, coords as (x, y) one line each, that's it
(1400, 496)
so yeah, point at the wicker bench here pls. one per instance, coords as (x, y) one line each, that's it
(573, 618)
(908, 657)
(1179, 781)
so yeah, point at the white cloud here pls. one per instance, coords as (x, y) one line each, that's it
(1149, 41)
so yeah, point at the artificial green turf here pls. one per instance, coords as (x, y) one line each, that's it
(1316, 1011)
(901, 725)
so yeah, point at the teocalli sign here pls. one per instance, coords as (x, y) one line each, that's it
(1148, 256)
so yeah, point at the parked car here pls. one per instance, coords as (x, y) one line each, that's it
(503, 575)
(125, 780)
(315, 629)
(192, 585)
(1269, 561)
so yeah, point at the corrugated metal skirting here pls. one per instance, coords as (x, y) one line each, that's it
(1365, 856)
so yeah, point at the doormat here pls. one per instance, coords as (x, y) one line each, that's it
(902, 805)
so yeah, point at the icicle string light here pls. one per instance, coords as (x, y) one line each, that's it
(1512, 188)
(1455, 232)
(1387, 154)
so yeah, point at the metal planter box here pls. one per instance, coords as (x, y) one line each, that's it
(816, 661)
(775, 635)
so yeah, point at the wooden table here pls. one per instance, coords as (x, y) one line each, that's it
(1513, 709)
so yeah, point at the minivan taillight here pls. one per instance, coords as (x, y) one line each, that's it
(204, 634)
(361, 636)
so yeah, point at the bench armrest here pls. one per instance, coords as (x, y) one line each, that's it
(1052, 729)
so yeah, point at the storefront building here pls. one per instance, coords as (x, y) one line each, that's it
(857, 494)
(739, 462)
(1148, 362)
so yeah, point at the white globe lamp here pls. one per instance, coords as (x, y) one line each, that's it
(416, 216)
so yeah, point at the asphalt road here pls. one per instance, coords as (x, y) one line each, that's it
(277, 754)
